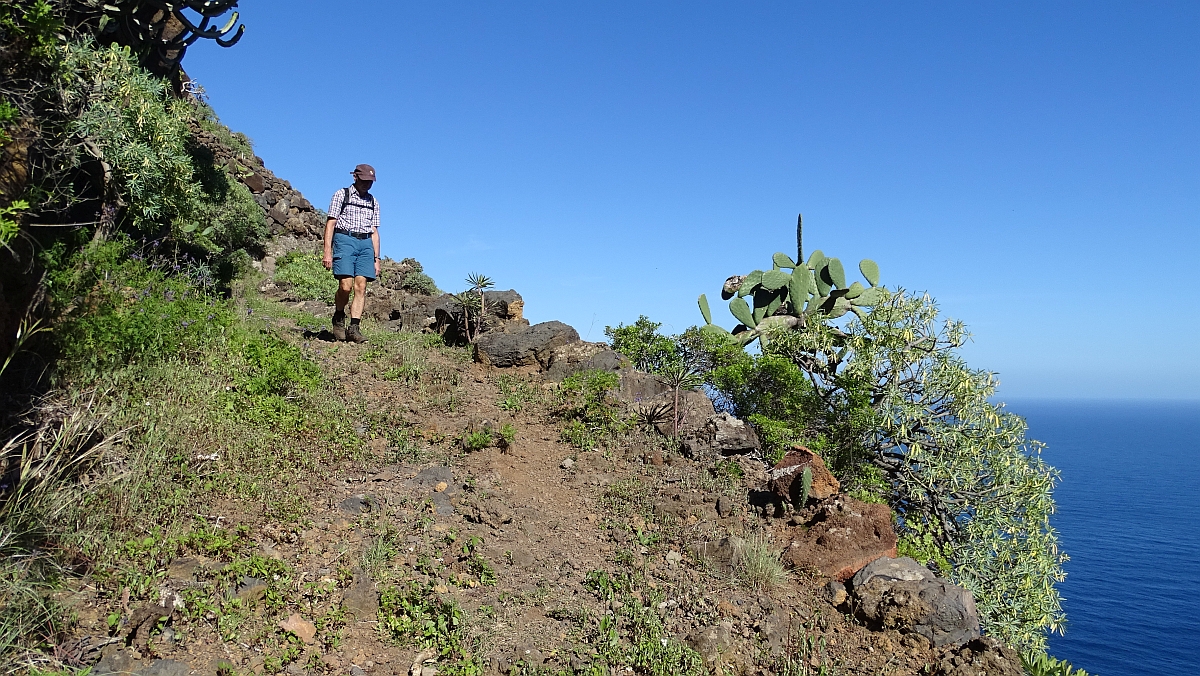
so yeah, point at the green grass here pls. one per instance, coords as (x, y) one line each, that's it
(165, 416)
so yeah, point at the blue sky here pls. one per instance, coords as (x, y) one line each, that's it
(1034, 166)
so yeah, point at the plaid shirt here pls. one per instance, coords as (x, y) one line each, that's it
(361, 214)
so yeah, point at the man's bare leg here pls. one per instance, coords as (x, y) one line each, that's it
(339, 302)
(360, 297)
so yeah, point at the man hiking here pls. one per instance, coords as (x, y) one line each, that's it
(352, 249)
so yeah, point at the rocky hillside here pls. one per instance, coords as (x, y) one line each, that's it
(527, 503)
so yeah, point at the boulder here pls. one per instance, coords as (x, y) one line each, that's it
(903, 595)
(712, 641)
(533, 346)
(724, 555)
(505, 309)
(583, 356)
(784, 477)
(505, 305)
(255, 183)
(722, 434)
(637, 386)
(982, 657)
(279, 212)
(841, 538)
(361, 599)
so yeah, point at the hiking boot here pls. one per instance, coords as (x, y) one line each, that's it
(355, 335)
(339, 327)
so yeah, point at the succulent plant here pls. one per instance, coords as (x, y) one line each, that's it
(814, 289)
(805, 486)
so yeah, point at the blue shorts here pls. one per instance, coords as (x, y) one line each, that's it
(353, 257)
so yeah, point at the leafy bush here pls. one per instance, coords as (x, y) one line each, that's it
(120, 304)
(142, 131)
(421, 283)
(643, 344)
(305, 276)
(477, 441)
(1041, 664)
(163, 178)
(958, 470)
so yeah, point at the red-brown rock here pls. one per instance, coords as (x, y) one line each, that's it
(785, 477)
(844, 536)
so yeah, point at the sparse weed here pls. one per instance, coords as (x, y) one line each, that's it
(379, 554)
(415, 613)
(477, 441)
(634, 635)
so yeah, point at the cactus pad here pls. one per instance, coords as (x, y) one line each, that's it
(869, 297)
(870, 271)
(703, 302)
(774, 280)
(783, 260)
(740, 310)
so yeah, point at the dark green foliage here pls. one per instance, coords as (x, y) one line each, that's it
(30, 30)
(477, 441)
(642, 343)
(277, 368)
(166, 180)
(420, 283)
(119, 303)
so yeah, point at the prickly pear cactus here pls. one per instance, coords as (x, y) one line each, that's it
(815, 290)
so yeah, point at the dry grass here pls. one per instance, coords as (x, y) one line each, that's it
(760, 568)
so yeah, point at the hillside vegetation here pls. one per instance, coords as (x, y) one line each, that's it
(193, 473)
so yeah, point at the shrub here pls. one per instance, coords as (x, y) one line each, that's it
(477, 441)
(958, 470)
(305, 276)
(421, 283)
(1041, 664)
(120, 304)
(165, 180)
(643, 344)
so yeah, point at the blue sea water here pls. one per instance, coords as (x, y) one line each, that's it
(1129, 517)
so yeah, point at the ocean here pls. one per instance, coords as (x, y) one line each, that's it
(1129, 517)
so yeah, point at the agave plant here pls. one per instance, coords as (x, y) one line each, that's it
(474, 303)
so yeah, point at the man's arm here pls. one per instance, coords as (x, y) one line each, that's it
(328, 259)
(375, 243)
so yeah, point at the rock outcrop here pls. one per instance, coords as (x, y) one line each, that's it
(583, 356)
(785, 477)
(286, 210)
(532, 346)
(841, 538)
(902, 594)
